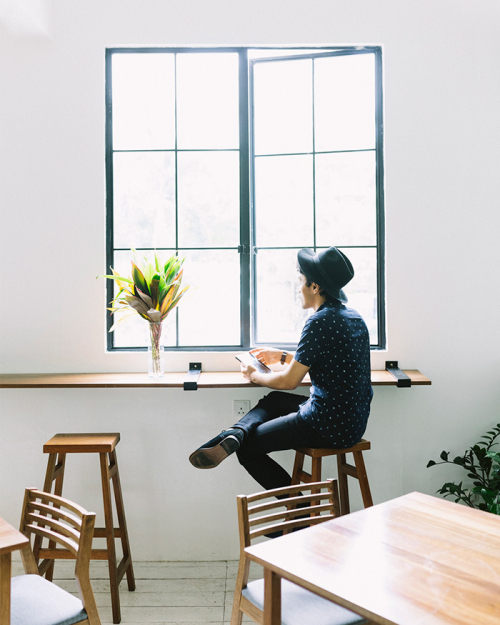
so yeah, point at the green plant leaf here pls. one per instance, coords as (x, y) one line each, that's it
(154, 289)
(431, 463)
(139, 279)
(444, 455)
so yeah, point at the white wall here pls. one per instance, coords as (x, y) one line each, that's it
(442, 99)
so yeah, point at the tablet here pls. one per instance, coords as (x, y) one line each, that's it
(249, 359)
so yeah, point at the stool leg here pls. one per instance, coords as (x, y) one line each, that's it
(55, 471)
(363, 479)
(315, 477)
(122, 524)
(343, 487)
(110, 537)
(297, 468)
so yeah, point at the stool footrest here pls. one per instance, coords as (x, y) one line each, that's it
(58, 470)
(305, 477)
(349, 469)
(122, 567)
(100, 532)
(64, 554)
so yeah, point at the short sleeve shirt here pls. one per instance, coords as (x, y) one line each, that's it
(335, 345)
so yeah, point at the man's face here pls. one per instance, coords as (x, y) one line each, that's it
(306, 292)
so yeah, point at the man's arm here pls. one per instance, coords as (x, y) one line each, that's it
(286, 380)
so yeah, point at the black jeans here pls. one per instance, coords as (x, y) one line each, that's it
(273, 425)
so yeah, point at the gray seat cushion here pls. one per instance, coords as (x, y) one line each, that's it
(299, 606)
(35, 601)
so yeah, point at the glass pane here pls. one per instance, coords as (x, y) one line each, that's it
(345, 199)
(134, 332)
(207, 101)
(210, 312)
(143, 101)
(283, 107)
(362, 290)
(208, 199)
(280, 316)
(344, 102)
(144, 199)
(284, 201)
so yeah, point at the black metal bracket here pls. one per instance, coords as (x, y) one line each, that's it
(191, 383)
(401, 378)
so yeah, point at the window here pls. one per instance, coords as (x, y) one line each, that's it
(235, 158)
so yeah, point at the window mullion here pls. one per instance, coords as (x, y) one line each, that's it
(245, 258)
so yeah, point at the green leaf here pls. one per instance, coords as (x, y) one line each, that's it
(444, 455)
(154, 289)
(117, 277)
(431, 463)
(139, 280)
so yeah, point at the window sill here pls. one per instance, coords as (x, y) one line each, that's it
(209, 379)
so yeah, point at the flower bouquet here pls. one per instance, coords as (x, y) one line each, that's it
(152, 291)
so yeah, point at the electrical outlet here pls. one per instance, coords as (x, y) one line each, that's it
(240, 408)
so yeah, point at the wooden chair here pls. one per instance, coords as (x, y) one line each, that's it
(105, 445)
(257, 517)
(344, 469)
(35, 599)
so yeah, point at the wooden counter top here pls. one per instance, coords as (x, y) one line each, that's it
(209, 379)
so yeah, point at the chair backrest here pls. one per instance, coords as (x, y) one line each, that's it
(68, 525)
(270, 513)
(286, 509)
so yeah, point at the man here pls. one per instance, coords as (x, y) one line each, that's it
(335, 349)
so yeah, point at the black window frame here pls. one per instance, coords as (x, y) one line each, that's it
(246, 247)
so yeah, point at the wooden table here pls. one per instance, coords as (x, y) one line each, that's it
(208, 379)
(10, 540)
(414, 560)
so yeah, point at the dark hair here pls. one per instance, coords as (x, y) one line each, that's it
(322, 292)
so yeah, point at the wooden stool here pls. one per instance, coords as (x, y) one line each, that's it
(358, 471)
(104, 445)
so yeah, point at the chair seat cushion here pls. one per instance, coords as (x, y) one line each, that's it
(299, 606)
(36, 601)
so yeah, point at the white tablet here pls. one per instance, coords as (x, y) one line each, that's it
(249, 359)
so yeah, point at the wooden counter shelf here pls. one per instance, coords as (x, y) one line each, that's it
(208, 379)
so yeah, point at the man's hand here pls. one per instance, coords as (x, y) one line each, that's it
(247, 371)
(267, 355)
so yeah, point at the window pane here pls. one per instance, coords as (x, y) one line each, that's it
(143, 101)
(144, 199)
(344, 102)
(284, 201)
(346, 199)
(135, 332)
(362, 290)
(208, 199)
(210, 312)
(280, 316)
(283, 107)
(207, 101)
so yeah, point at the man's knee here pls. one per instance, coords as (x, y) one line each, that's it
(275, 398)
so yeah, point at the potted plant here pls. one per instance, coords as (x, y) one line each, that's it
(482, 464)
(152, 291)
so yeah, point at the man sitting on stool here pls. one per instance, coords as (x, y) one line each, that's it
(335, 348)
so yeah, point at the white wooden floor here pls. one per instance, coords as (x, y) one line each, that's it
(166, 592)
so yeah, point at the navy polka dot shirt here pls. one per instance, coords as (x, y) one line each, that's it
(335, 345)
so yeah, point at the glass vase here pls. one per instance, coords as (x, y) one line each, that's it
(155, 351)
